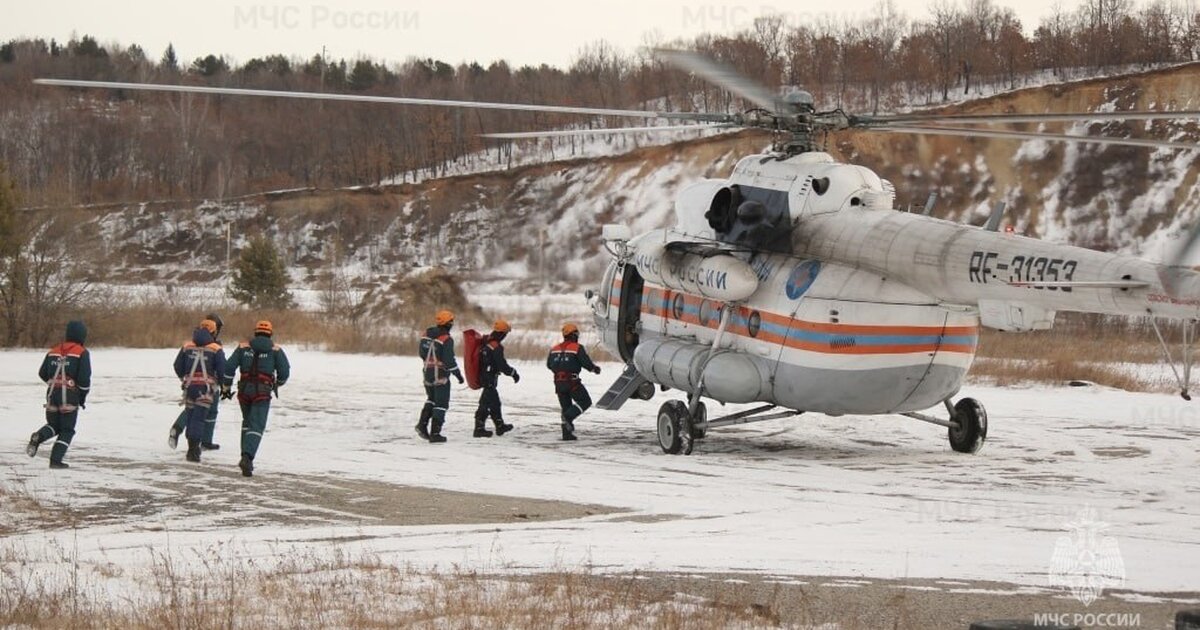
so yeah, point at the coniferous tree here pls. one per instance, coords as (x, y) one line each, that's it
(260, 278)
(13, 270)
(210, 65)
(170, 62)
(364, 76)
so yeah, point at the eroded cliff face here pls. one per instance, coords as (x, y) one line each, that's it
(1113, 198)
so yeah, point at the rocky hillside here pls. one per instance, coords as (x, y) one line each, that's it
(1113, 198)
(540, 223)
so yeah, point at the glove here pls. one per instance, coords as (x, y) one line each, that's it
(596, 370)
(226, 391)
(458, 375)
(516, 377)
(83, 402)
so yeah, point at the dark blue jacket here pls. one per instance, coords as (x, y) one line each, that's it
(264, 367)
(70, 388)
(567, 359)
(200, 364)
(492, 362)
(437, 353)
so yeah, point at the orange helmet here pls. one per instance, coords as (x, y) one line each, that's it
(569, 329)
(501, 326)
(209, 325)
(264, 327)
(443, 318)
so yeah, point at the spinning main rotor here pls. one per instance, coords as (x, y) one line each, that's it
(797, 125)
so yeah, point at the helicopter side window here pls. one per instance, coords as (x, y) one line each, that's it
(677, 306)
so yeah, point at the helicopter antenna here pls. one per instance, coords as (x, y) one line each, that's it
(933, 197)
(993, 222)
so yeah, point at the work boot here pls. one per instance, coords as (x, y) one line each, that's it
(482, 433)
(59, 465)
(435, 432)
(502, 428)
(568, 433)
(423, 421)
(247, 465)
(436, 438)
(173, 438)
(209, 446)
(34, 443)
(193, 452)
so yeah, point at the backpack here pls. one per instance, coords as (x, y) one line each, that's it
(473, 342)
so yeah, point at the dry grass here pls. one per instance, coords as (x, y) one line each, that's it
(222, 589)
(1078, 348)
(19, 506)
(1059, 370)
(1087, 337)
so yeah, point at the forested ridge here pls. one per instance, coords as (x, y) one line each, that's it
(68, 147)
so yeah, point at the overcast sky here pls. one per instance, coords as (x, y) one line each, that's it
(521, 31)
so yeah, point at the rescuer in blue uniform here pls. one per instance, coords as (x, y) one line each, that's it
(265, 368)
(199, 365)
(437, 355)
(210, 423)
(491, 366)
(567, 360)
(67, 372)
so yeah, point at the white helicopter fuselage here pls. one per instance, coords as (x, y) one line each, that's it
(838, 303)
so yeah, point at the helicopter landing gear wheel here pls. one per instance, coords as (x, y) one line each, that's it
(674, 428)
(971, 432)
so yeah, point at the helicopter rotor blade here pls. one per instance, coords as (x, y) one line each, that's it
(394, 100)
(1029, 135)
(517, 135)
(992, 119)
(720, 75)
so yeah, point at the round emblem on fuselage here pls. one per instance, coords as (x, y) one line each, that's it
(802, 278)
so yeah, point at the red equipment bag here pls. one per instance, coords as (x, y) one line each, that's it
(472, 342)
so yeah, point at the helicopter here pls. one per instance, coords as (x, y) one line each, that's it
(796, 284)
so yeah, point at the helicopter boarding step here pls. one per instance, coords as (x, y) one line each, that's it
(622, 389)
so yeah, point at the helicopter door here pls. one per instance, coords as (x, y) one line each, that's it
(629, 313)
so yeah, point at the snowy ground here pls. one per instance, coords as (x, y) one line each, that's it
(852, 497)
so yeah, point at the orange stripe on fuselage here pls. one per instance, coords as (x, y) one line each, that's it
(660, 298)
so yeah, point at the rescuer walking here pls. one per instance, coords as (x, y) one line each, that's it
(67, 372)
(210, 423)
(199, 365)
(567, 360)
(437, 354)
(265, 369)
(491, 366)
